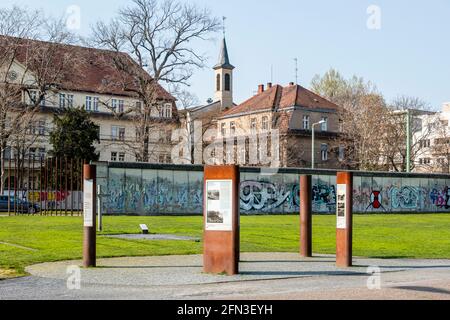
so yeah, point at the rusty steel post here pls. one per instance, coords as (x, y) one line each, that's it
(89, 208)
(305, 216)
(221, 243)
(344, 224)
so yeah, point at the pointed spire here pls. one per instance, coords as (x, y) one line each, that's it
(224, 60)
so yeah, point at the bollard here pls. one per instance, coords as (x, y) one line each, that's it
(344, 219)
(89, 208)
(305, 216)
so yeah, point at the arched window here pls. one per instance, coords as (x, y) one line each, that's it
(227, 82)
(218, 82)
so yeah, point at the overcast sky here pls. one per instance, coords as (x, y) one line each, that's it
(407, 51)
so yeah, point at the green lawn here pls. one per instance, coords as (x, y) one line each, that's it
(27, 240)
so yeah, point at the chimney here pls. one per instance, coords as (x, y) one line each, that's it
(269, 85)
(260, 88)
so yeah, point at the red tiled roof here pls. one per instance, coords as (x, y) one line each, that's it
(93, 67)
(278, 97)
(262, 101)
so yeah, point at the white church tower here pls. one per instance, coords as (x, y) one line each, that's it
(224, 79)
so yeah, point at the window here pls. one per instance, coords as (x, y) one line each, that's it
(40, 128)
(232, 128)
(122, 156)
(227, 82)
(324, 152)
(165, 111)
(33, 96)
(341, 153)
(88, 103)
(113, 156)
(324, 126)
(253, 125)
(32, 153)
(62, 100)
(7, 154)
(121, 106)
(164, 158)
(122, 134)
(114, 105)
(223, 129)
(425, 143)
(218, 82)
(341, 125)
(305, 122)
(42, 153)
(95, 104)
(117, 133)
(138, 105)
(70, 100)
(265, 123)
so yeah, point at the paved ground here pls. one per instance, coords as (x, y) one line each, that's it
(263, 276)
(153, 237)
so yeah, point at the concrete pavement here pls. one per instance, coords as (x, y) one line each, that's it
(263, 276)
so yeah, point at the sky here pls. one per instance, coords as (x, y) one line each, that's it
(401, 46)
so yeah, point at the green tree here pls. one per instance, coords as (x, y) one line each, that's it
(74, 135)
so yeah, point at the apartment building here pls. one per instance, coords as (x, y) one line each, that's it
(431, 141)
(86, 85)
(294, 112)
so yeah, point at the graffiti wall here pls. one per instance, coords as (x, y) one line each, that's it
(166, 192)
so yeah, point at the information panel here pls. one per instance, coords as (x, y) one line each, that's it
(340, 206)
(219, 201)
(88, 203)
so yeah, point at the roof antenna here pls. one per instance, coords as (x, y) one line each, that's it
(296, 70)
(271, 73)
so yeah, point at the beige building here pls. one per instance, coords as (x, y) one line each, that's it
(291, 111)
(85, 86)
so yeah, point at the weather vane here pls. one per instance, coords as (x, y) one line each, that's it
(223, 24)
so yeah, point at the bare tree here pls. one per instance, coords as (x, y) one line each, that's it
(395, 150)
(362, 114)
(157, 37)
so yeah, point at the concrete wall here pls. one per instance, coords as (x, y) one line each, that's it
(162, 190)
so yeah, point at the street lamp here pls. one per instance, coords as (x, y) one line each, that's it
(312, 146)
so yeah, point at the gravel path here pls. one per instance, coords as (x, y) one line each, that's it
(263, 276)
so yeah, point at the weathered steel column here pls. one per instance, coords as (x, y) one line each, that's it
(305, 216)
(89, 208)
(221, 220)
(344, 223)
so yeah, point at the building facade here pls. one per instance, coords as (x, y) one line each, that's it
(283, 118)
(432, 141)
(86, 86)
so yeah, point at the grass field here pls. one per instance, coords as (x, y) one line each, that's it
(28, 240)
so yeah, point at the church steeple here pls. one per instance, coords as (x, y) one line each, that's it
(224, 78)
(224, 60)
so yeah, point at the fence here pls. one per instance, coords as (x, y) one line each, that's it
(145, 189)
(35, 184)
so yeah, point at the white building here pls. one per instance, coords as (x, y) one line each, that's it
(433, 141)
